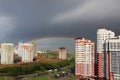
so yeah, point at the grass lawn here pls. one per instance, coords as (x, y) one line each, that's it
(48, 77)
(45, 77)
(6, 78)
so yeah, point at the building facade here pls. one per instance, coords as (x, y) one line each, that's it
(20, 48)
(112, 51)
(62, 53)
(27, 52)
(102, 36)
(7, 53)
(84, 58)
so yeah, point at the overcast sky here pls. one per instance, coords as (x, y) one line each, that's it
(30, 19)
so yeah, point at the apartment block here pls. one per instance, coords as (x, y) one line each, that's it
(112, 51)
(7, 53)
(102, 35)
(62, 53)
(84, 58)
(27, 52)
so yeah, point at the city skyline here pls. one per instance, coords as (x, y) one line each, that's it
(103, 65)
(74, 39)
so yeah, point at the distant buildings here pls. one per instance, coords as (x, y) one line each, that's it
(19, 50)
(108, 55)
(62, 53)
(41, 54)
(35, 48)
(27, 52)
(84, 58)
(7, 52)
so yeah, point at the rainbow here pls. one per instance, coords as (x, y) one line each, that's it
(53, 37)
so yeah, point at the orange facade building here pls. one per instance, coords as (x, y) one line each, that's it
(84, 58)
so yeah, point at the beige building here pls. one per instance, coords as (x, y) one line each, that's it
(7, 52)
(62, 53)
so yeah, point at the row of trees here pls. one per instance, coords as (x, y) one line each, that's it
(21, 70)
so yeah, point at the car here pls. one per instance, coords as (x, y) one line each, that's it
(50, 71)
(57, 75)
(55, 70)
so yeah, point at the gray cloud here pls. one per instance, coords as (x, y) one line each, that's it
(7, 24)
(93, 10)
(29, 19)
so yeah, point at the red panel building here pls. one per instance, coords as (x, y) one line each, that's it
(84, 58)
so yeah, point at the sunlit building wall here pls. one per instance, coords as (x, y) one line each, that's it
(7, 53)
(102, 35)
(20, 48)
(27, 52)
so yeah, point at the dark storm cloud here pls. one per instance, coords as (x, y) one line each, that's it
(29, 19)
(32, 17)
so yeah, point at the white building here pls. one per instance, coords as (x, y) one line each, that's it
(7, 52)
(27, 52)
(102, 35)
(20, 48)
(112, 49)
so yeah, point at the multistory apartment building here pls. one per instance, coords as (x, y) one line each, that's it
(102, 36)
(112, 51)
(62, 53)
(7, 53)
(84, 58)
(27, 52)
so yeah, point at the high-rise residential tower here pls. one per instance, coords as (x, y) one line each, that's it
(112, 51)
(62, 53)
(27, 52)
(102, 36)
(7, 53)
(20, 48)
(84, 58)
